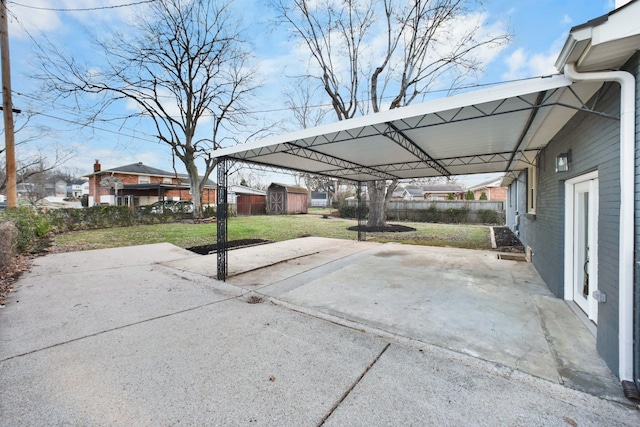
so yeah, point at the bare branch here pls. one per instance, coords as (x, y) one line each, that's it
(185, 63)
(395, 49)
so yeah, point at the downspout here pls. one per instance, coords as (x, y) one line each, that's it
(626, 232)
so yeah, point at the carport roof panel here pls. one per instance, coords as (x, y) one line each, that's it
(422, 139)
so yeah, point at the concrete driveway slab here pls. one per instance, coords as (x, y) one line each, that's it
(289, 274)
(431, 386)
(229, 363)
(464, 300)
(132, 342)
(109, 259)
(256, 257)
(53, 305)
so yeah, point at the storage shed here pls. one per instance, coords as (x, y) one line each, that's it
(286, 199)
(249, 201)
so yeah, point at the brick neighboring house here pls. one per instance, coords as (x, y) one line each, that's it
(492, 189)
(138, 185)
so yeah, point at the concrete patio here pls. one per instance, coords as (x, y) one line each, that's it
(305, 332)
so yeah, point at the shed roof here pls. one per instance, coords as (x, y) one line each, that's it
(498, 129)
(241, 189)
(290, 188)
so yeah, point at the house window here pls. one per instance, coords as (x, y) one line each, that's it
(144, 179)
(166, 180)
(532, 188)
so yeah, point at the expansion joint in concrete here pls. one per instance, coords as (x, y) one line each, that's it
(118, 328)
(355, 383)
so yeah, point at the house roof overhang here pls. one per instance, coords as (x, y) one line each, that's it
(159, 185)
(603, 43)
(499, 129)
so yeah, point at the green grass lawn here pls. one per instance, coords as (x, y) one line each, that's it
(271, 227)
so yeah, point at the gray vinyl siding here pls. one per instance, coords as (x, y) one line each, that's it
(594, 145)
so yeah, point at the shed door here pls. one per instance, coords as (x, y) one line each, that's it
(276, 202)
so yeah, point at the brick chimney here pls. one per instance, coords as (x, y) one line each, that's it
(96, 166)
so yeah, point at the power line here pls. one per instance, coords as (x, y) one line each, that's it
(93, 126)
(88, 9)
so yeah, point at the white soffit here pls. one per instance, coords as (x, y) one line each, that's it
(498, 129)
(603, 43)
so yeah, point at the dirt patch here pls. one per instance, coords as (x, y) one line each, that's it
(11, 273)
(233, 244)
(506, 240)
(390, 228)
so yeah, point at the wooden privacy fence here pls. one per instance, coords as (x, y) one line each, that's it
(446, 211)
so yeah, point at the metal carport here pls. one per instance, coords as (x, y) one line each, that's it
(499, 129)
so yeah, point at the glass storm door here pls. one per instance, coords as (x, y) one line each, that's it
(585, 222)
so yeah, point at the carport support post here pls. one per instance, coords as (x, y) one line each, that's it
(362, 234)
(221, 218)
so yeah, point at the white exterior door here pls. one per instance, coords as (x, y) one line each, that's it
(581, 243)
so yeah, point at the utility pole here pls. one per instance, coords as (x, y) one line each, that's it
(12, 196)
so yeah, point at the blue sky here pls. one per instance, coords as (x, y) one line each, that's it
(539, 28)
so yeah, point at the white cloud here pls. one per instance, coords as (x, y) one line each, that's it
(566, 19)
(35, 19)
(523, 63)
(24, 21)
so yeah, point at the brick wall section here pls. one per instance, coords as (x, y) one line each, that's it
(95, 190)
(594, 142)
(493, 193)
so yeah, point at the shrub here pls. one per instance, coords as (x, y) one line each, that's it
(32, 225)
(469, 195)
(455, 215)
(8, 235)
(487, 216)
(431, 214)
(483, 196)
(347, 211)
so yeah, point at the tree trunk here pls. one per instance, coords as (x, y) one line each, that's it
(196, 190)
(377, 208)
(379, 196)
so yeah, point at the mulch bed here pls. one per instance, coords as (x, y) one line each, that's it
(233, 244)
(506, 239)
(390, 228)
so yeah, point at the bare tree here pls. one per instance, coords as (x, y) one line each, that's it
(389, 52)
(299, 99)
(249, 178)
(183, 64)
(35, 188)
(32, 160)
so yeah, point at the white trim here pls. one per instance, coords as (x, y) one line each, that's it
(627, 210)
(568, 230)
